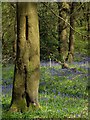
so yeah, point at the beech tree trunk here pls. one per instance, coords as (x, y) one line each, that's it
(26, 74)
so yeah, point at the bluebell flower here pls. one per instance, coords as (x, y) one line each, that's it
(42, 83)
(76, 115)
(54, 91)
(54, 96)
(59, 93)
(10, 86)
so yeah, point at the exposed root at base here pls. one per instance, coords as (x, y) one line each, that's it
(32, 107)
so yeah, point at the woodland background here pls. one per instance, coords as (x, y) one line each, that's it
(63, 92)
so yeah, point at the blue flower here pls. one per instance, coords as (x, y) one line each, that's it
(54, 96)
(59, 93)
(54, 91)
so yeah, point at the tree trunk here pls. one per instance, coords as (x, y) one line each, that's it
(26, 74)
(88, 27)
(70, 55)
(88, 17)
(63, 8)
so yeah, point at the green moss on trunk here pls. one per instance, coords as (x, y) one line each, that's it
(26, 74)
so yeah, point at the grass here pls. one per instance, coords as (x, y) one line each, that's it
(62, 93)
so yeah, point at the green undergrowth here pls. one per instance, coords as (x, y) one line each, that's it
(62, 94)
(81, 43)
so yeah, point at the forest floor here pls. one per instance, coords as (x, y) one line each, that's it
(63, 93)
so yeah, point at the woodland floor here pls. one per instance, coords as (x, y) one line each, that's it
(63, 93)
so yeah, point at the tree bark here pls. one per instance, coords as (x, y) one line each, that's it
(63, 8)
(70, 55)
(88, 27)
(88, 17)
(26, 74)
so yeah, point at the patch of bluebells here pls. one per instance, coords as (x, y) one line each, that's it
(70, 74)
(81, 76)
(7, 89)
(87, 59)
(42, 83)
(54, 91)
(64, 72)
(59, 93)
(7, 81)
(54, 96)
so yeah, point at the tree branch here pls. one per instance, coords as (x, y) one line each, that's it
(84, 36)
(76, 9)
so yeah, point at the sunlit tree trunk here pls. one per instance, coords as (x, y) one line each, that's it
(63, 9)
(70, 56)
(26, 74)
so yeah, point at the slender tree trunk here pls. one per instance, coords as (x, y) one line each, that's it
(63, 8)
(88, 27)
(88, 17)
(70, 55)
(26, 74)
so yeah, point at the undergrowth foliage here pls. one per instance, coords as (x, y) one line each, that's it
(62, 92)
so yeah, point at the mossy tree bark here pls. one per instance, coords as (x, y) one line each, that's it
(70, 55)
(63, 9)
(26, 74)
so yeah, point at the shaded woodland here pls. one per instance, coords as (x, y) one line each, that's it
(55, 21)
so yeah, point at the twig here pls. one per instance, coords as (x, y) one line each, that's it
(77, 9)
(66, 22)
(12, 4)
